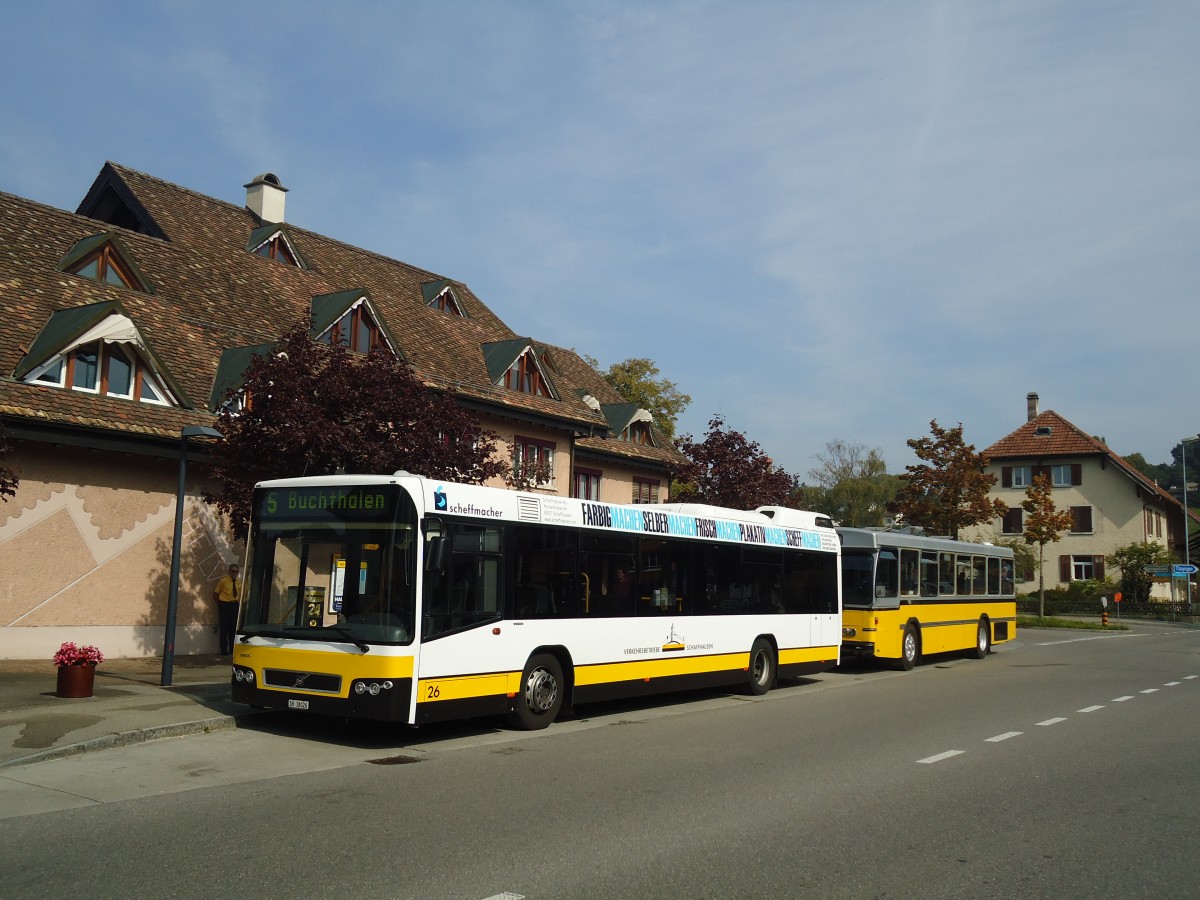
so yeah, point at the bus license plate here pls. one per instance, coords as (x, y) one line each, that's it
(297, 704)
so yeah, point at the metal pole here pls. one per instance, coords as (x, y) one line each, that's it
(168, 661)
(1187, 535)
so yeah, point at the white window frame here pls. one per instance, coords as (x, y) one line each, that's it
(1022, 476)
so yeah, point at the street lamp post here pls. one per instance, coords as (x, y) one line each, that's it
(168, 662)
(1187, 524)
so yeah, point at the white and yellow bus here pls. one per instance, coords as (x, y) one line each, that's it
(905, 595)
(405, 599)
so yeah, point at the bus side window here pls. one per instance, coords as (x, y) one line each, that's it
(910, 572)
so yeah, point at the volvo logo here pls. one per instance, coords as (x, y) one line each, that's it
(300, 679)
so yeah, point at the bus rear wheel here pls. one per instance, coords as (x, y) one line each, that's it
(910, 648)
(983, 640)
(541, 694)
(762, 668)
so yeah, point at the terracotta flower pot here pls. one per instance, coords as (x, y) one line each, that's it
(76, 681)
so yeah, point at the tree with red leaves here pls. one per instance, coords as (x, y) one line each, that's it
(312, 409)
(8, 477)
(727, 469)
(951, 491)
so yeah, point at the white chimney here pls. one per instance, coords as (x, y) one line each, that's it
(1031, 406)
(265, 197)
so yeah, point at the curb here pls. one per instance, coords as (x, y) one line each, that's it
(129, 738)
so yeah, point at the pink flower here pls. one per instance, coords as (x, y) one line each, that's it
(70, 655)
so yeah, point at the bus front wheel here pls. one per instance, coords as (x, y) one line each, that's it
(910, 648)
(762, 668)
(541, 694)
(983, 640)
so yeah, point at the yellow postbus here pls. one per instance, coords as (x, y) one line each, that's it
(905, 595)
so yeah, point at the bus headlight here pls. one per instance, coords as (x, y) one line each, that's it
(849, 632)
(374, 688)
(246, 675)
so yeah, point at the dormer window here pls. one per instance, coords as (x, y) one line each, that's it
(637, 433)
(1044, 430)
(272, 242)
(105, 266)
(524, 375)
(440, 295)
(111, 370)
(96, 349)
(630, 423)
(102, 259)
(276, 248)
(356, 328)
(446, 302)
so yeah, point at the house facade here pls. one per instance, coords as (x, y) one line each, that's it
(134, 317)
(1111, 503)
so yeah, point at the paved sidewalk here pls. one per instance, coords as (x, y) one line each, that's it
(129, 706)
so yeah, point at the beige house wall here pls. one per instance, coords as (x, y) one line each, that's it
(85, 555)
(85, 547)
(1117, 516)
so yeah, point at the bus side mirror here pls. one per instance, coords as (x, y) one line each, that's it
(435, 554)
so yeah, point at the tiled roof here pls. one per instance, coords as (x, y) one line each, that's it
(212, 295)
(1049, 435)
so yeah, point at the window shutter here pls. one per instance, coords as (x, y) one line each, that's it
(1064, 568)
(1006, 476)
(1098, 566)
(1076, 473)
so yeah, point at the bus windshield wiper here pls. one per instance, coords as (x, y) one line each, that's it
(346, 633)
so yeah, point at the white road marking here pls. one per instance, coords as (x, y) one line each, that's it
(1172, 683)
(507, 895)
(1122, 699)
(1190, 677)
(1150, 691)
(1099, 637)
(929, 760)
(1089, 709)
(1053, 721)
(1003, 737)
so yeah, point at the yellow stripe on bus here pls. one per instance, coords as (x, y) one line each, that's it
(469, 687)
(807, 655)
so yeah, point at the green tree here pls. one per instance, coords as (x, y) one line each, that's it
(1161, 473)
(950, 491)
(639, 381)
(728, 469)
(852, 485)
(8, 477)
(313, 409)
(1044, 524)
(1136, 584)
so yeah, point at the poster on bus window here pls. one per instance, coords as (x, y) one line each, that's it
(339, 582)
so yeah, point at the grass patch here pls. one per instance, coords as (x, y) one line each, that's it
(1055, 622)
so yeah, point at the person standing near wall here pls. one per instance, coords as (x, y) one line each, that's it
(228, 594)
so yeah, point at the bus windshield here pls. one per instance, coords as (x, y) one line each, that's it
(332, 563)
(858, 577)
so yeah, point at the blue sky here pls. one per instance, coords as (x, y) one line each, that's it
(823, 220)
